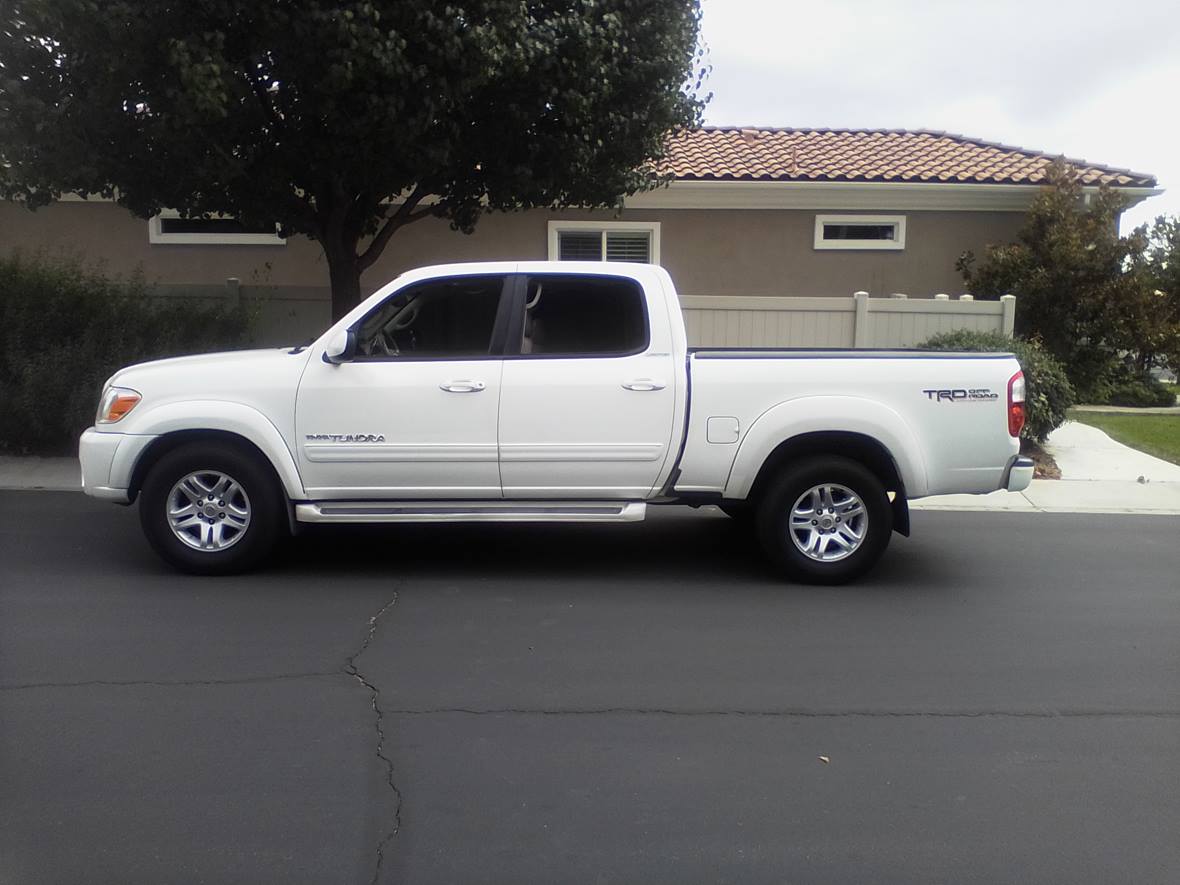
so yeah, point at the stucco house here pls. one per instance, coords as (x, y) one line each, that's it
(749, 212)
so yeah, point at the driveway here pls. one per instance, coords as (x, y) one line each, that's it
(999, 701)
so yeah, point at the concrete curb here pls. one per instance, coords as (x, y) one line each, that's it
(1072, 496)
(1114, 496)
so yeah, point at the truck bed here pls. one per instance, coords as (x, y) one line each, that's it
(941, 415)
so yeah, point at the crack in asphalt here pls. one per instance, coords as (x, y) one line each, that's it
(800, 713)
(166, 683)
(352, 670)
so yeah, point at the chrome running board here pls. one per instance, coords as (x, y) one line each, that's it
(471, 511)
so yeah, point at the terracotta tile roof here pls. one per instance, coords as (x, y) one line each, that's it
(894, 155)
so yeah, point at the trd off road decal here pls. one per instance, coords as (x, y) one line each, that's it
(962, 395)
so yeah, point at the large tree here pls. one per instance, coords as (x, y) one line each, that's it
(343, 120)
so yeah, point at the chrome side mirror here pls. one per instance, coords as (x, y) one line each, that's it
(341, 347)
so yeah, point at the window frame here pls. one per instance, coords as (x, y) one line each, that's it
(505, 311)
(519, 297)
(897, 244)
(651, 228)
(158, 237)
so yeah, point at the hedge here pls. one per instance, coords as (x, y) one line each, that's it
(66, 327)
(1048, 393)
(1144, 392)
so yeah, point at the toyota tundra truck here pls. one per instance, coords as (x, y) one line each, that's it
(547, 392)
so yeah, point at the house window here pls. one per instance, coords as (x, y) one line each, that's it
(171, 227)
(860, 232)
(637, 241)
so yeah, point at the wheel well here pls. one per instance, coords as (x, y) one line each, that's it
(162, 445)
(855, 446)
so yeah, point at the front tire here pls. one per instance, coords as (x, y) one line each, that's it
(211, 508)
(825, 521)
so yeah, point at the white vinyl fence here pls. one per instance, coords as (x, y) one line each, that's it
(857, 321)
(286, 314)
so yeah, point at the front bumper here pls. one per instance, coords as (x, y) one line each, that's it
(107, 461)
(1018, 474)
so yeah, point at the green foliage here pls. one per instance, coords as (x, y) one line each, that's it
(1067, 270)
(64, 329)
(1153, 334)
(1147, 392)
(1090, 295)
(343, 119)
(1048, 393)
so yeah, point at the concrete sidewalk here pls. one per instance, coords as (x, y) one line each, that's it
(1129, 410)
(55, 474)
(1098, 475)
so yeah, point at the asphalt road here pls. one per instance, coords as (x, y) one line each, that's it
(999, 702)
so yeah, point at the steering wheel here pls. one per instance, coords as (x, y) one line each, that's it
(406, 318)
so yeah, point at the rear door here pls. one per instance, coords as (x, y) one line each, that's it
(588, 390)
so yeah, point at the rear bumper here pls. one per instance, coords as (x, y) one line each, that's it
(1018, 474)
(107, 461)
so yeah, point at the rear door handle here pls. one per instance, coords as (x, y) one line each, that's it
(644, 384)
(462, 386)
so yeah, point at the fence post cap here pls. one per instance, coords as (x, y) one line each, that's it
(942, 296)
(966, 297)
(860, 294)
(1007, 297)
(899, 295)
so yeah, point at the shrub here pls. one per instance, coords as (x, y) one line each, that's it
(1140, 392)
(1048, 393)
(65, 328)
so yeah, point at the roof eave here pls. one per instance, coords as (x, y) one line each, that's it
(853, 195)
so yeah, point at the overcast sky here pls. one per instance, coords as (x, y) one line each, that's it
(1098, 81)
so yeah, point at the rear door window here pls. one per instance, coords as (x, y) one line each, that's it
(569, 315)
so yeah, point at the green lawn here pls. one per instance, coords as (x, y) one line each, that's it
(1157, 435)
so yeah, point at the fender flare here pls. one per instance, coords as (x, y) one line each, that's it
(828, 414)
(227, 417)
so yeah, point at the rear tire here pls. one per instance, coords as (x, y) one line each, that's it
(211, 508)
(825, 521)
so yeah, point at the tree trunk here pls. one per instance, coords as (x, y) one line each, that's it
(344, 271)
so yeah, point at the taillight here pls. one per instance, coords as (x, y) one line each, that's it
(1016, 404)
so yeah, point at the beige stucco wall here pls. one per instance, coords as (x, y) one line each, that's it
(707, 251)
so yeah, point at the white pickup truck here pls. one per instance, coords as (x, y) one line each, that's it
(547, 392)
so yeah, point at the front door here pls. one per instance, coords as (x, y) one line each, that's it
(413, 414)
(588, 398)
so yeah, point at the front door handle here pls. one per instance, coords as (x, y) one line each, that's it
(462, 386)
(644, 384)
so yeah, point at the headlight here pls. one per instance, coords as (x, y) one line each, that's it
(116, 402)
